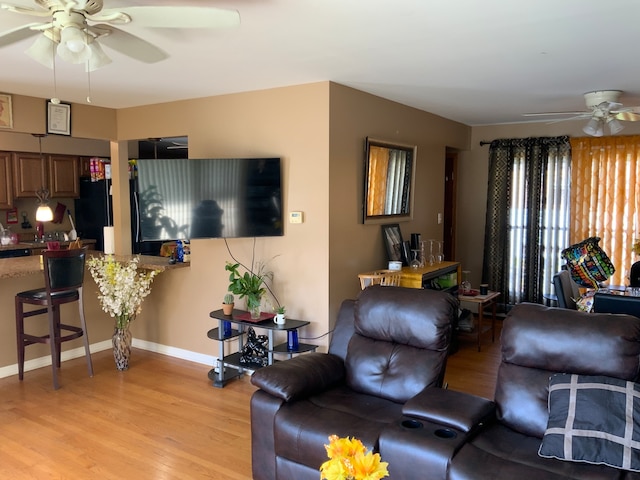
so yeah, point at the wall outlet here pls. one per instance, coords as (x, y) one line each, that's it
(439, 218)
(295, 217)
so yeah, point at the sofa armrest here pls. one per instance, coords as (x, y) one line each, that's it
(458, 410)
(301, 376)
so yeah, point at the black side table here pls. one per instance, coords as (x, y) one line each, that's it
(229, 366)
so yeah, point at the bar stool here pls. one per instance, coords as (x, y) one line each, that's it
(64, 276)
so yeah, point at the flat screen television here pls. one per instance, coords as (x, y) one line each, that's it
(209, 198)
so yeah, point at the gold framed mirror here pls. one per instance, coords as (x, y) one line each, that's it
(388, 181)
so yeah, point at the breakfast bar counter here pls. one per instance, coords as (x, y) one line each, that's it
(25, 273)
(21, 266)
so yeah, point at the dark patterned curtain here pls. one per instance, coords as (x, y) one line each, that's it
(527, 220)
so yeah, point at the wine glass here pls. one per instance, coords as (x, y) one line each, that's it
(415, 263)
(465, 286)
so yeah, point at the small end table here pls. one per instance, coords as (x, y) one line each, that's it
(223, 375)
(484, 301)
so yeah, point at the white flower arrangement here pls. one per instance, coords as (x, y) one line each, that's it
(122, 286)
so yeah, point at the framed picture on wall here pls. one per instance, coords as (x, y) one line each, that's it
(58, 118)
(392, 237)
(6, 112)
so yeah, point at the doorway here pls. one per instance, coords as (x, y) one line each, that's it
(449, 220)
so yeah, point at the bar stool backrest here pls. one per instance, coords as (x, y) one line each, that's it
(64, 269)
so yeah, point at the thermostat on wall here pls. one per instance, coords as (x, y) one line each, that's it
(295, 217)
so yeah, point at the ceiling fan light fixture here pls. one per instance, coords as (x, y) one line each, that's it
(41, 51)
(594, 127)
(614, 125)
(98, 58)
(73, 47)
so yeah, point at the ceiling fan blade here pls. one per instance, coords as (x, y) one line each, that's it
(25, 10)
(128, 44)
(575, 117)
(546, 114)
(627, 116)
(174, 16)
(18, 34)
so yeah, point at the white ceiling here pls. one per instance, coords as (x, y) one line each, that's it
(474, 62)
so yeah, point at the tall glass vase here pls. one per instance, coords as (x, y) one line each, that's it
(253, 306)
(122, 346)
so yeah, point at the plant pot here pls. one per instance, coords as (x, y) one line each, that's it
(279, 318)
(227, 308)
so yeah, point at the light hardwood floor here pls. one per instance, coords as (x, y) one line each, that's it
(159, 420)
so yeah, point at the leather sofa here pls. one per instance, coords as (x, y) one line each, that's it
(457, 436)
(387, 346)
(435, 433)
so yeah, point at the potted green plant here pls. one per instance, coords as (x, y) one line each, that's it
(249, 285)
(280, 318)
(228, 304)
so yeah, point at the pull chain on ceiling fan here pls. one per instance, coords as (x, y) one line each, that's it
(75, 40)
(603, 110)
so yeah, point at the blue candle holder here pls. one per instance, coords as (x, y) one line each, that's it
(226, 329)
(292, 340)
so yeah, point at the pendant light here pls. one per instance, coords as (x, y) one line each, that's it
(44, 212)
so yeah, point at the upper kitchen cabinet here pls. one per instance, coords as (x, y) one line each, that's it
(29, 174)
(64, 176)
(85, 166)
(57, 173)
(6, 182)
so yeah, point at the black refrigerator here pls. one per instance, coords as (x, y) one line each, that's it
(94, 211)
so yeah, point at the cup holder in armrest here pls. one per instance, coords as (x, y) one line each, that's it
(445, 433)
(411, 424)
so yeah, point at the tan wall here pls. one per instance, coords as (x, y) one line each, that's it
(318, 130)
(473, 176)
(291, 123)
(87, 121)
(353, 246)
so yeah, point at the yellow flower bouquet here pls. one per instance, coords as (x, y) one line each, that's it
(349, 460)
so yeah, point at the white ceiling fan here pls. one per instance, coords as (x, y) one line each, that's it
(603, 109)
(76, 29)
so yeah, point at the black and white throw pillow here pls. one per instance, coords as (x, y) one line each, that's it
(593, 419)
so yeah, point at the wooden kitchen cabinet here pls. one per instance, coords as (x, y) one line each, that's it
(60, 174)
(64, 176)
(6, 181)
(29, 174)
(85, 166)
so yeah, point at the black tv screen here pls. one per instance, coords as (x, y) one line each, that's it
(209, 198)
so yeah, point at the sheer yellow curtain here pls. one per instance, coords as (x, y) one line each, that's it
(605, 192)
(377, 181)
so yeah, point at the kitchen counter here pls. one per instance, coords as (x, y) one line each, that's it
(40, 245)
(22, 266)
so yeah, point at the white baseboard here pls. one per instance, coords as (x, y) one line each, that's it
(105, 345)
(175, 352)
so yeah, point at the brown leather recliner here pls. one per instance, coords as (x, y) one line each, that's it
(458, 440)
(388, 346)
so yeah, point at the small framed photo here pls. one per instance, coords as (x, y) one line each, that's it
(392, 237)
(6, 112)
(12, 216)
(58, 118)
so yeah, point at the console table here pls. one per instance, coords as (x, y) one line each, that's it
(424, 277)
(229, 366)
